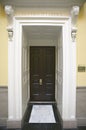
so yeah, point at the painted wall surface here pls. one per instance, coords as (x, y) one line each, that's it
(81, 46)
(3, 49)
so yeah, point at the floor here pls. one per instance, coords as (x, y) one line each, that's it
(79, 128)
(42, 126)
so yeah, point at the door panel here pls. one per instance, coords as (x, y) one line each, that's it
(35, 73)
(42, 73)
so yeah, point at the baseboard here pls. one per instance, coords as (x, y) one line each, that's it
(26, 115)
(68, 124)
(13, 123)
(81, 106)
(59, 115)
(81, 121)
(3, 105)
(3, 121)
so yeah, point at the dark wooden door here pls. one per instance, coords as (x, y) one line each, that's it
(42, 73)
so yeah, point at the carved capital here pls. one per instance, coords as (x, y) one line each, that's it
(10, 33)
(9, 12)
(73, 34)
(74, 17)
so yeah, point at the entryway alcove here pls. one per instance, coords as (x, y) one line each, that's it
(19, 71)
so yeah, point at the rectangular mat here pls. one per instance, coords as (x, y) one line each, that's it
(42, 114)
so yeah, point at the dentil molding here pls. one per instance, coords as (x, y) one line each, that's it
(10, 13)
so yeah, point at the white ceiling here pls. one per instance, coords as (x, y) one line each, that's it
(41, 32)
(43, 3)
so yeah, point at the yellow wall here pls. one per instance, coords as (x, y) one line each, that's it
(81, 46)
(3, 49)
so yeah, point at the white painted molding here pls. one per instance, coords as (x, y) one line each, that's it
(73, 34)
(10, 33)
(44, 4)
(74, 16)
(9, 12)
(11, 112)
(69, 72)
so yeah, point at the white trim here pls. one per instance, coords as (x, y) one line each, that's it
(69, 74)
(18, 69)
(69, 70)
(67, 4)
(11, 108)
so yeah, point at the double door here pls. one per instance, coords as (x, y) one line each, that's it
(42, 73)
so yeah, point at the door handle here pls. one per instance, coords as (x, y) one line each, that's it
(40, 81)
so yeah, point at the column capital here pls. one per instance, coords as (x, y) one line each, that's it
(10, 13)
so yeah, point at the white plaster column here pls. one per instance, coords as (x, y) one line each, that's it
(12, 108)
(74, 17)
(9, 13)
(69, 68)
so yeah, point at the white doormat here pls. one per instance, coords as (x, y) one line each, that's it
(42, 114)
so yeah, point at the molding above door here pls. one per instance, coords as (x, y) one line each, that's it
(43, 4)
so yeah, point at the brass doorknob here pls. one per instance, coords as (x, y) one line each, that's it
(40, 81)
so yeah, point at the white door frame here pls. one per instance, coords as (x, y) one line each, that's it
(15, 67)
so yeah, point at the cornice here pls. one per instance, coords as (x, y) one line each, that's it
(43, 3)
(10, 13)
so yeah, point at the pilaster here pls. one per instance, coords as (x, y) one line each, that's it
(11, 68)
